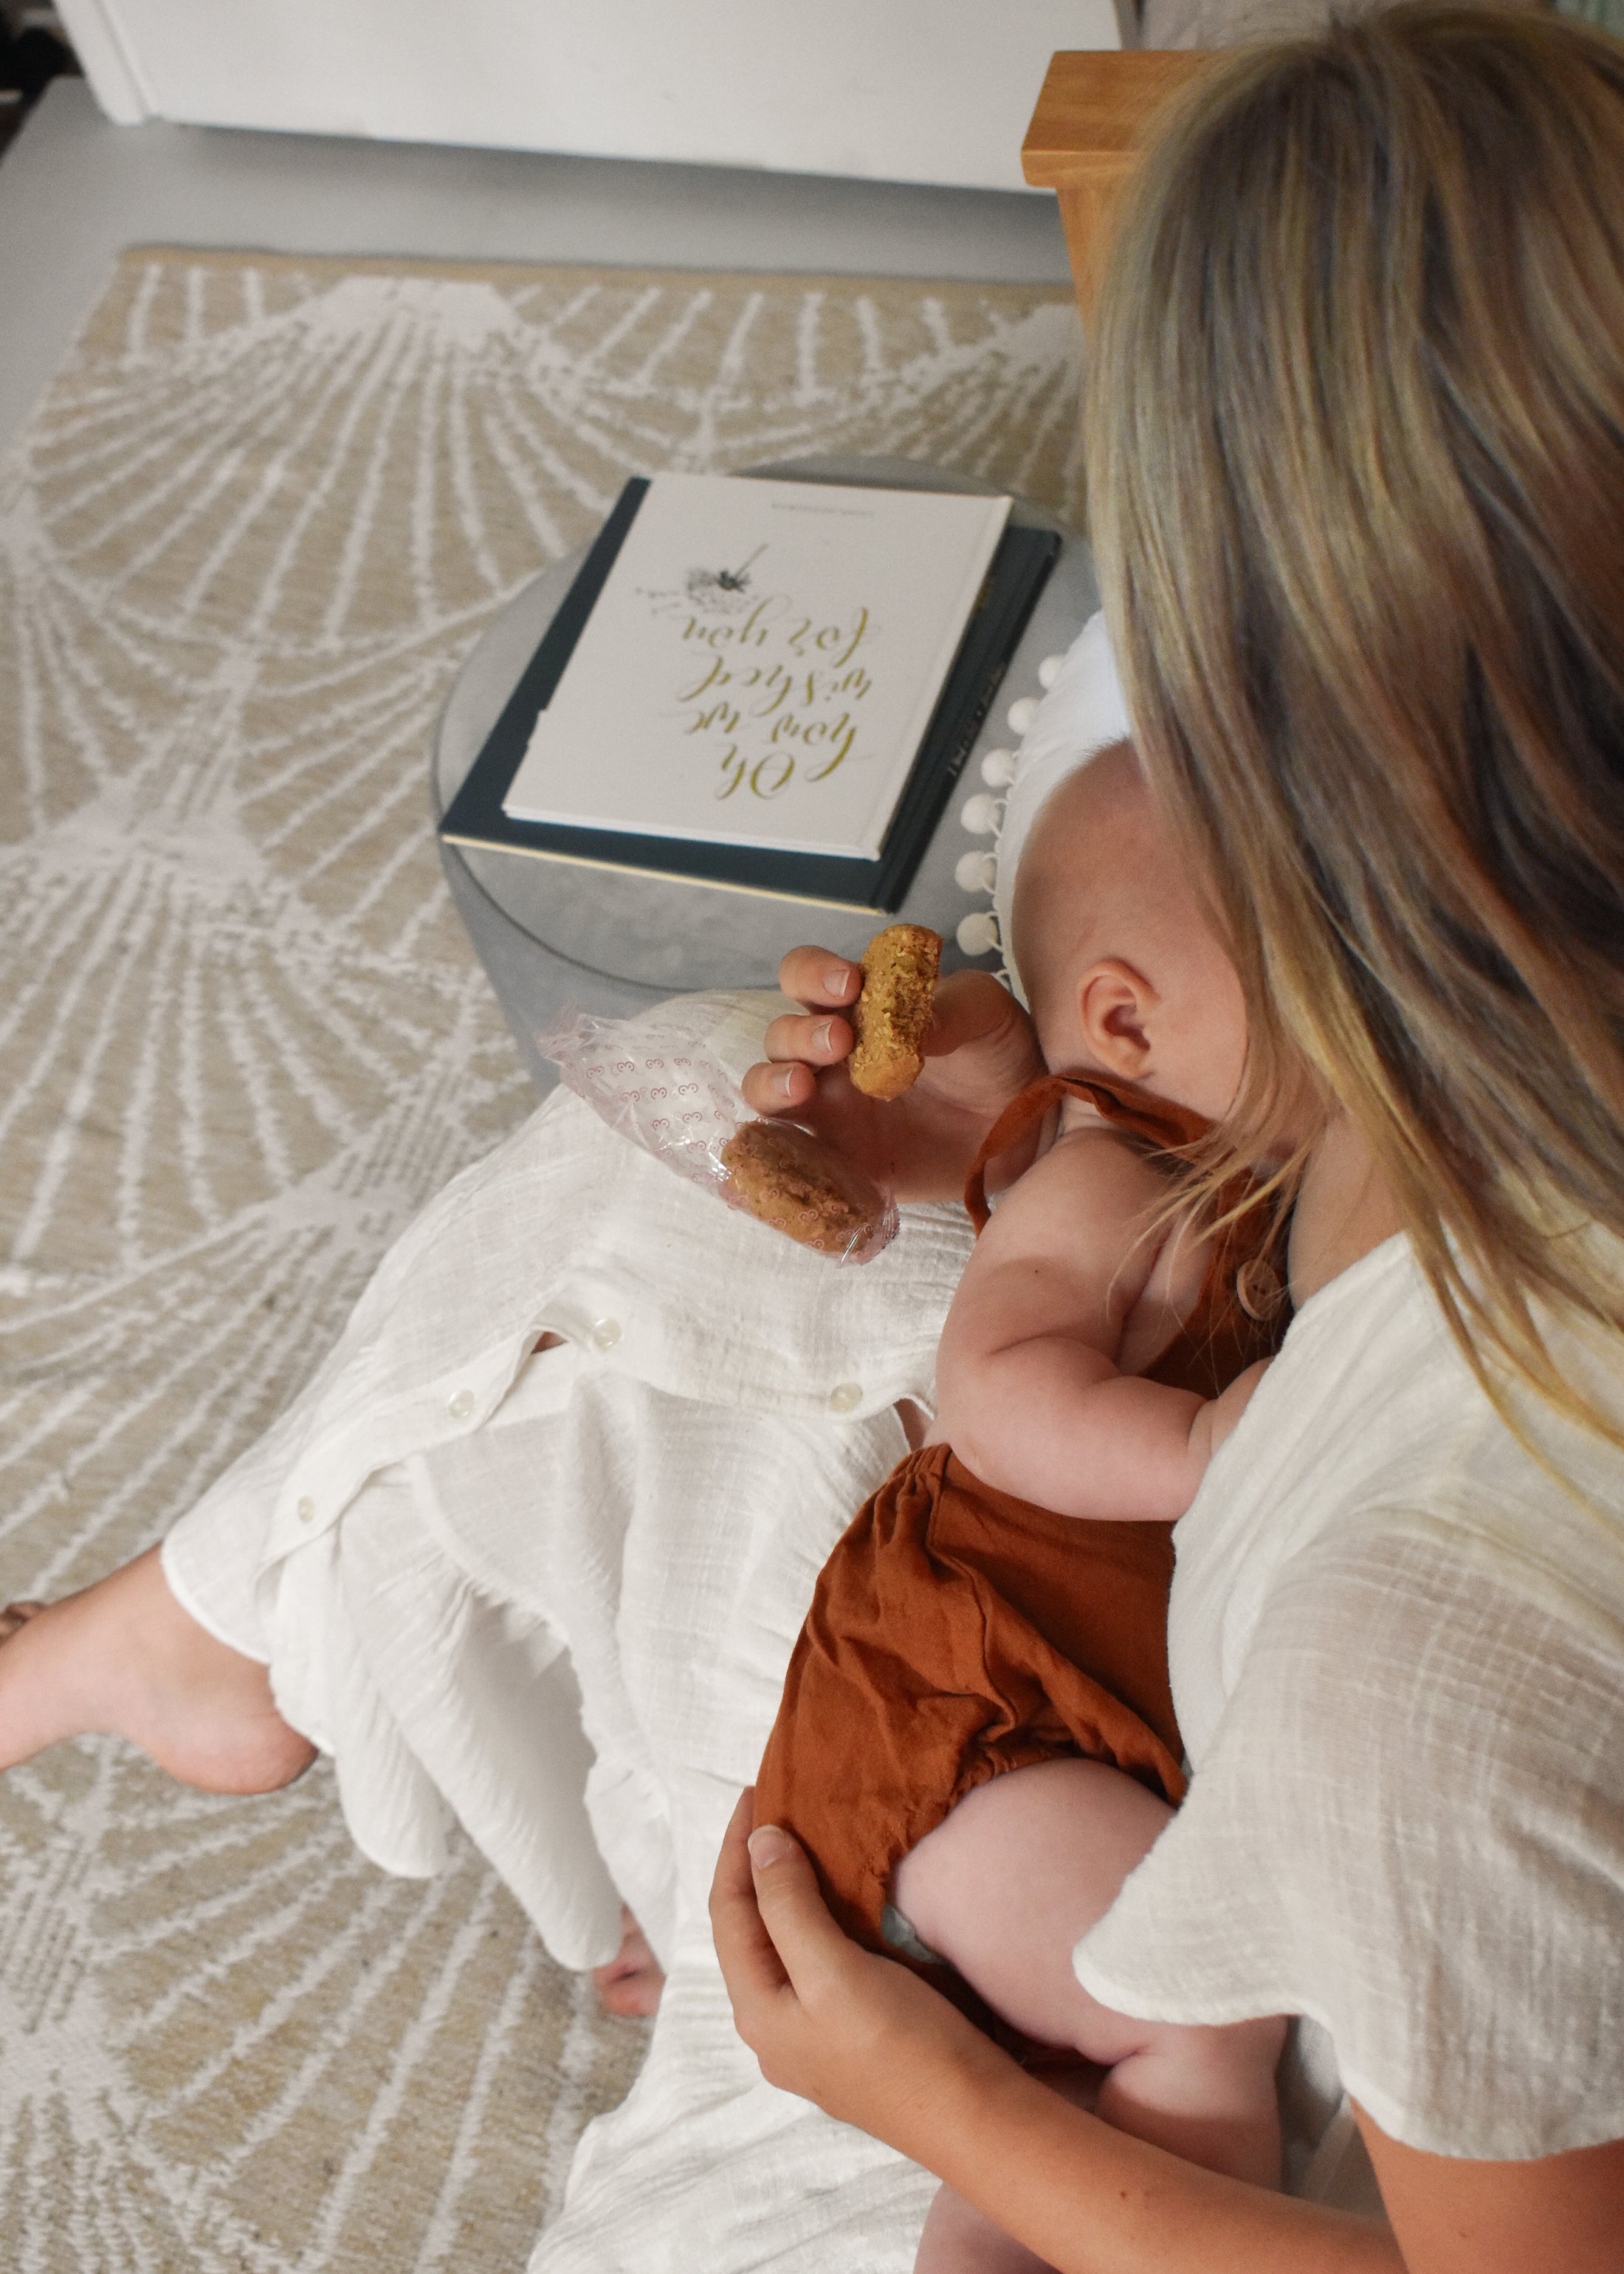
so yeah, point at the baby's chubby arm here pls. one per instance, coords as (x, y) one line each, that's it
(1030, 1392)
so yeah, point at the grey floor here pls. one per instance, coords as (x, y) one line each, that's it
(74, 189)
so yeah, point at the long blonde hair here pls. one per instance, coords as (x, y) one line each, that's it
(1356, 452)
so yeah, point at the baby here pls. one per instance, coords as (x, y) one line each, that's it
(976, 1742)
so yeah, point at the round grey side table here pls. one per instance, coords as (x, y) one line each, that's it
(554, 936)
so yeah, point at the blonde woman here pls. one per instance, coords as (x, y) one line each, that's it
(1357, 454)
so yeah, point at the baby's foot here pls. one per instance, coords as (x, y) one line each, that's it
(632, 1981)
(123, 1659)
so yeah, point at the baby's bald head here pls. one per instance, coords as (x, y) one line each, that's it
(1121, 967)
(1096, 871)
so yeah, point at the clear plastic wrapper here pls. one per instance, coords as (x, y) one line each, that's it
(653, 1085)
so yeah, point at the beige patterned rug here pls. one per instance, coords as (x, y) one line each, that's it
(259, 518)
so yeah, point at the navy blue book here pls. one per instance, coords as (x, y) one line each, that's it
(477, 815)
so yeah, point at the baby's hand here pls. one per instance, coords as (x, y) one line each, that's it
(980, 1053)
(1217, 1421)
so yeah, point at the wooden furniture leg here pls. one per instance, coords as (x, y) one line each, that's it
(1086, 134)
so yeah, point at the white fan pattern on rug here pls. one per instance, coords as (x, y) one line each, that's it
(259, 518)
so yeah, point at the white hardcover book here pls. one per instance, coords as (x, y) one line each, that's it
(762, 664)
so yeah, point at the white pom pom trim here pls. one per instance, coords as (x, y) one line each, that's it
(977, 935)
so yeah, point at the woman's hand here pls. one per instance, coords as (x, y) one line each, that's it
(866, 2039)
(874, 2046)
(980, 1052)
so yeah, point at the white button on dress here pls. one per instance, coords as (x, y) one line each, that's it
(306, 1510)
(606, 1334)
(845, 1397)
(462, 1405)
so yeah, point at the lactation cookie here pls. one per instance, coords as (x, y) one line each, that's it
(782, 1176)
(892, 1015)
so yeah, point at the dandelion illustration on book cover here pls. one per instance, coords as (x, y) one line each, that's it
(721, 591)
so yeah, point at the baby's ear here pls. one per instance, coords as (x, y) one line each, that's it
(1114, 1004)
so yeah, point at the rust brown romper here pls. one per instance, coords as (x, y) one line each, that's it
(957, 1631)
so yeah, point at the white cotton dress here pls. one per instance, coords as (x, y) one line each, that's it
(555, 1596)
(1397, 1652)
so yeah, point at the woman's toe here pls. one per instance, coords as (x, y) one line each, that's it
(632, 1981)
(635, 1992)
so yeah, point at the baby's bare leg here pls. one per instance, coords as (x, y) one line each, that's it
(123, 1660)
(1021, 1869)
(957, 2239)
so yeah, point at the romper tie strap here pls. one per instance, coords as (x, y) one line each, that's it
(1164, 1126)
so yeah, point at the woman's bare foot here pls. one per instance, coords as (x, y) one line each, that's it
(122, 1658)
(632, 1981)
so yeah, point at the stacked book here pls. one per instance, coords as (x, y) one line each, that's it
(767, 685)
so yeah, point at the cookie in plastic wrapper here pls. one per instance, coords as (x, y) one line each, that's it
(784, 1176)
